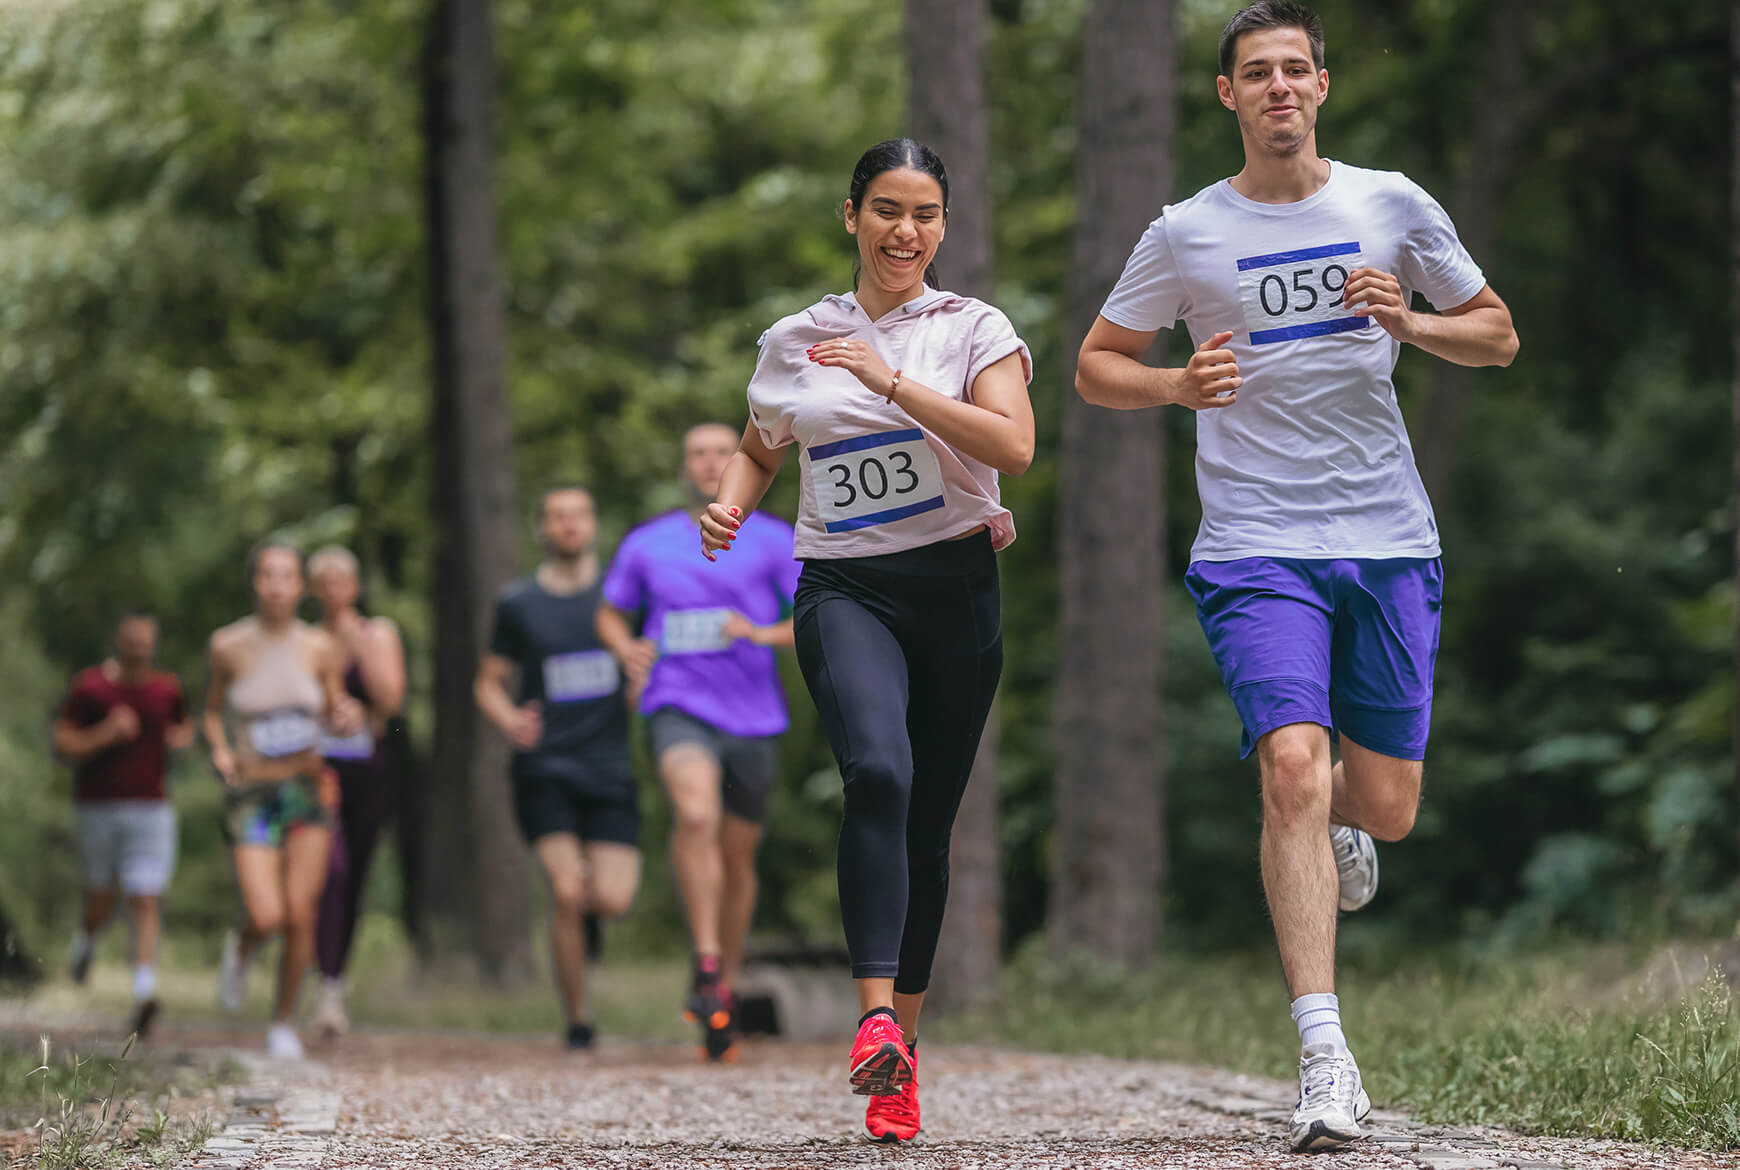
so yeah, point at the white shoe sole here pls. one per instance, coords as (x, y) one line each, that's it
(1319, 1134)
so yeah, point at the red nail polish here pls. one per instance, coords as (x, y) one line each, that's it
(734, 511)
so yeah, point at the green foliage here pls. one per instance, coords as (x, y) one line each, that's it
(212, 298)
(83, 1108)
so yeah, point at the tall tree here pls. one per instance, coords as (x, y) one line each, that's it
(1107, 853)
(1501, 126)
(1734, 275)
(476, 864)
(946, 108)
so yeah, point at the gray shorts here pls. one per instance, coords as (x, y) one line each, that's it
(748, 763)
(128, 844)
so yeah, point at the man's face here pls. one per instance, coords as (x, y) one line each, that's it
(706, 451)
(136, 641)
(570, 523)
(1275, 89)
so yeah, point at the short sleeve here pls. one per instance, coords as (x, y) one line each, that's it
(1150, 295)
(769, 390)
(1433, 260)
(993, 340)
(625, 584)
(80, 707)
(506, 638)
(177, 700)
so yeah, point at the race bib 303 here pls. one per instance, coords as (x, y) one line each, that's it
(1289, 295)
(695, 631)
(874, 479)
(584, 674)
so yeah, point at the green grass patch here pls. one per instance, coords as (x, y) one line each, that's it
(1574, 1043)
(86, 1110)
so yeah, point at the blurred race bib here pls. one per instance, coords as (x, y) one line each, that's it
(284, 732)
(585, 674)
(694, 631)
(360, 746)
(874, 479)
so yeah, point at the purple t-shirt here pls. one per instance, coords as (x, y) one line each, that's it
(686, 598)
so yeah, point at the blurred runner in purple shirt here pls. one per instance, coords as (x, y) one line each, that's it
(704, 671)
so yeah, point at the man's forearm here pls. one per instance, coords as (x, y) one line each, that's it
(1105, 377)
(1479, 337)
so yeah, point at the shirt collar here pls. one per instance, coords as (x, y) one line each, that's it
(923, 300)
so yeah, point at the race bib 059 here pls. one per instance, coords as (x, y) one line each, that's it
(694, 631)
(1289, 295)
(284, 732)
(874, 479)
(584, 674)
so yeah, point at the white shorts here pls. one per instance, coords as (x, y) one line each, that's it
(127, 843)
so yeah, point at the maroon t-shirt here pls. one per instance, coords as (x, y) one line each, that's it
(134, 770)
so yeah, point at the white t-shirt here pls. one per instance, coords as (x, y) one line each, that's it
(1313, 460)
(874, 480)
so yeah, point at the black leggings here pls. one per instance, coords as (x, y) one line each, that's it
(902, 654)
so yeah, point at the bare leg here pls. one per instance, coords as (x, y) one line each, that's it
(907, 1007)
(693, 779)
(1375, 792)
(259, 876)
(307, 856)
(874, 993)
(1298, 862)
(147, 924)
(613, 873)
(565, 868)
(738, 840)
(99, 905)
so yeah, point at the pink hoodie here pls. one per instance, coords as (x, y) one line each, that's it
(875, 481)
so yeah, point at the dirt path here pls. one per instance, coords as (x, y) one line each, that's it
(491, 1103)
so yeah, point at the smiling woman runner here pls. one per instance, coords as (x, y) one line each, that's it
(276, 685)
(906, 402)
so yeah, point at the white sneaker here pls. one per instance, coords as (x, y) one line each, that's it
(329, 1015)
(232, 974)
(1331, 1101)
(282, 1043)
(1356, 865)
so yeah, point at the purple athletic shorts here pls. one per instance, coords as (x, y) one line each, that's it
(1349, 644)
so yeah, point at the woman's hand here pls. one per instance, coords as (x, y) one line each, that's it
(858, 357)
(719, 526)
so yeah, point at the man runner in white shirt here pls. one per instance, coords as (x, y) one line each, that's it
(1316, 572)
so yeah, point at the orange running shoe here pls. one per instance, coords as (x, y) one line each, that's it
(893, 1117)
(880, 1061)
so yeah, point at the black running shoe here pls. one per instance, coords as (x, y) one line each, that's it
(719, 1034)
(579, 1037)
(81, 967)
(143, 1015)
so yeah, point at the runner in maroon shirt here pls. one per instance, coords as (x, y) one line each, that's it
(118, 724)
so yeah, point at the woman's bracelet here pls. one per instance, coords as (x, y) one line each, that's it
(894, 385)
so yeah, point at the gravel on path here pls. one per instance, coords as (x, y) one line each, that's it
(493, 1103)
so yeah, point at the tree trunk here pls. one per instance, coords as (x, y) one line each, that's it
(1477, 207)
(946, 109)
(475, 867)
(1107, 847)
(1734, 270)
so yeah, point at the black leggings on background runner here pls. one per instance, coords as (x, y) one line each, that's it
(902, 653)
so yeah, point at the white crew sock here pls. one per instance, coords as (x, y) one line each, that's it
(144, 981)
(83, 944)
(1319, 1020)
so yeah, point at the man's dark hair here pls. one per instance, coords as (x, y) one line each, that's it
(1267, 14)
(550, 489)
(132, 613)
(281, 543)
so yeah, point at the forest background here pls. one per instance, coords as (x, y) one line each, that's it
(214, 324)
